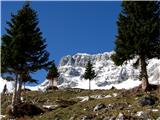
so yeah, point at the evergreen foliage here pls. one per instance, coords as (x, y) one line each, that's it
(53, 73)
(23, 48)
(89, 72)
(138, 33)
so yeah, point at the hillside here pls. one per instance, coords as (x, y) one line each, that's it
(73, 104)
(112, 96)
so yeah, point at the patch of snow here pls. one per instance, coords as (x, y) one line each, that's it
(86, 98)
(49, 106)
(154, 110)
(97, 96)
(128, 84)
(139, 113)
(115, 94)
(2, 116)
(9, 84)
(107, 96)
(83, 99)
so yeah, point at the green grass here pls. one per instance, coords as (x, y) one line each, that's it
(80, 109)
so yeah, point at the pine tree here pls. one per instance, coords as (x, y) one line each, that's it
(22, 49)
(53, 73)
(89, 73)
(138, 35)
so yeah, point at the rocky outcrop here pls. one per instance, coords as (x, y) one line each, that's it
(148, 100)
(99, 107)
(72, 68)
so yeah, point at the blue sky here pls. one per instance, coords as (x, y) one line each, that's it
(71, 27)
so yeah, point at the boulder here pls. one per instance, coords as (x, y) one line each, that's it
(86, 117)
(99, 107)
(142, 115)
(109, 107)
(121, 116)
(147, 100)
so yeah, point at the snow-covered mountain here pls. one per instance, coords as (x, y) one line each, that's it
(72, 68)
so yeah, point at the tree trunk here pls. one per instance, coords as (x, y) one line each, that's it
(89, 89)
(55, 81)
(19, 90)
(143, 73)
(4, 89)
(14, 96)
(24, 87)
(89, 85)
(24, 90)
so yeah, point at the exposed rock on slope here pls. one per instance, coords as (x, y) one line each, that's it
(72, 68)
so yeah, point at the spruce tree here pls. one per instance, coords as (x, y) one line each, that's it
(89, 73)
(53, 73)
(138, 35)
(22, 49)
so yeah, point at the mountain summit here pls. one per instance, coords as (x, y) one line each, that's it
(72, 68)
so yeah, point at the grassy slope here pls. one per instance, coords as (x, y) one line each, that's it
(80, 109)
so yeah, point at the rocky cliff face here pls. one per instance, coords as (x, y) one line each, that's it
(72, 68)
(80, 60)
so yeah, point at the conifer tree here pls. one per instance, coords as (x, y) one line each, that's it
(89, 73)
(53, 73)
(22, 49)
(138, 35)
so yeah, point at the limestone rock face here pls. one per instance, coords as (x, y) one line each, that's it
(72, 68)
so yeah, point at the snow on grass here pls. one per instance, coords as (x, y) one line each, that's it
(128, 84)
(3, 83)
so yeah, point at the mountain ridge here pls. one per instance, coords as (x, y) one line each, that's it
(72, 69)
(109, 75)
